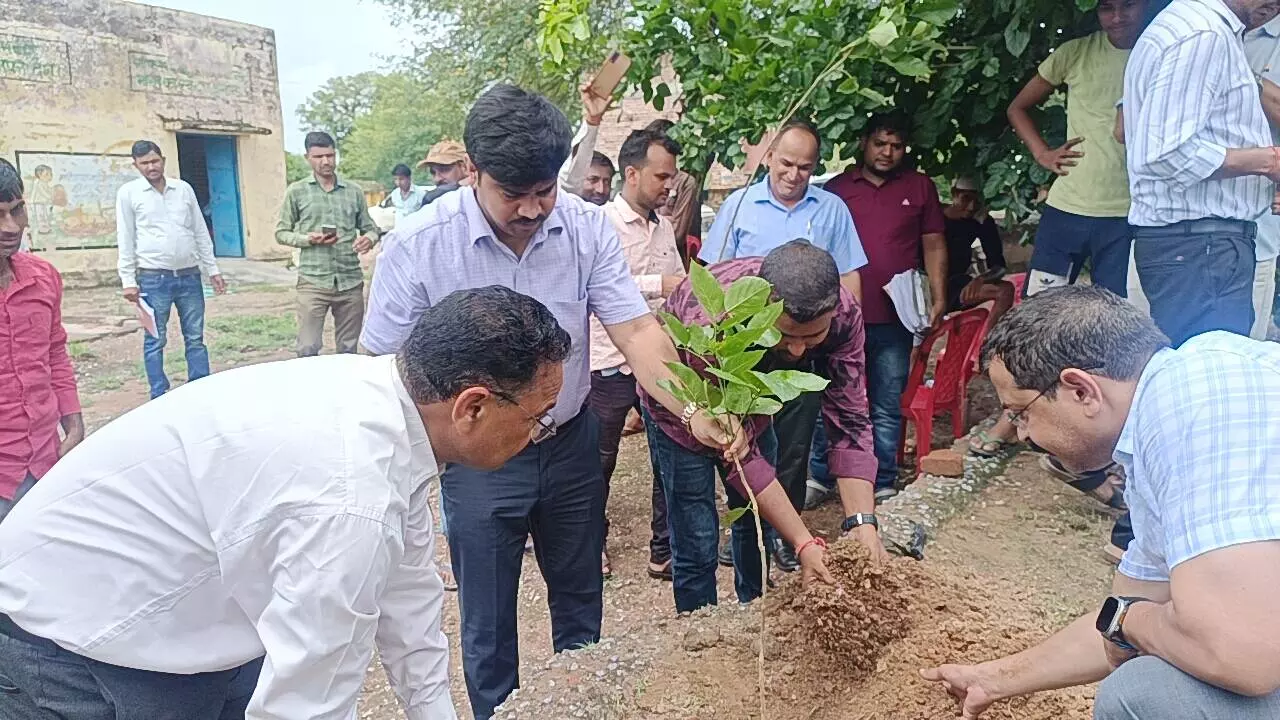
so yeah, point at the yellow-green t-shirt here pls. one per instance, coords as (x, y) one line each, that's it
(1093, 71)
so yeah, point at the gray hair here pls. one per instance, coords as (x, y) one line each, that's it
(491, 337)
(1086, 328)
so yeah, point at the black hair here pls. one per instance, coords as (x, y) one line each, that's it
(804, 278)
(518, 138)
(661, 125)
(316, 138)
(10, 182)
(635, 149)
(145, 147)
(804, 126)
(599, 159)
(401, 170)
(491, 337)
(1082, 327)
(892, 123)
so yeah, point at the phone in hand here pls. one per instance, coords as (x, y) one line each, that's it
(330, 231)
(610, 74)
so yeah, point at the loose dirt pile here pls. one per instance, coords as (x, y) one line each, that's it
(854, 652)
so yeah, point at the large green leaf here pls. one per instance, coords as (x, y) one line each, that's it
(707, 289)
(740, 340)
(883, 34)
(808, 382)
(1017, 36)
(938, 12)
(770, 338)
(764, 406)
(742, 362)
(678, 331)
(728, 377)
(686, 376)
(738, 398)
(732, 516)
(678, 391)
(766, 317)
(747, 295)
(701, 339)
(781, 389)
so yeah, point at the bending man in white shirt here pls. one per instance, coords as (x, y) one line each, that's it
(163, 247)
(237, 548)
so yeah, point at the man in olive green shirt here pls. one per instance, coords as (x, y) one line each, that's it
(327, 217)
(1086, 215)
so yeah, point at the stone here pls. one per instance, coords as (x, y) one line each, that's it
(947, 463)
(701, 638)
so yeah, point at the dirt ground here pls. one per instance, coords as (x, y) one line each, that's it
(1024, 560)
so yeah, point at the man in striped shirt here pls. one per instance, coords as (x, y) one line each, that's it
(1201, 165)
(1190, 630)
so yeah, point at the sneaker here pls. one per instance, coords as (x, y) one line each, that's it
(784, 557)
(816, 494)
(883, 494)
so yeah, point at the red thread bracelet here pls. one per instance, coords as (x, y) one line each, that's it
(812, 541)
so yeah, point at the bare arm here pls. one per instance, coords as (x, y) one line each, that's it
(935, 263)
(1271, 102)
(1220, 623)
(852, 282)
(1032, 95)
(1118, 133)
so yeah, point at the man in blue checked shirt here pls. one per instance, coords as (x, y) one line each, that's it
(1190, 629)
(513, 229)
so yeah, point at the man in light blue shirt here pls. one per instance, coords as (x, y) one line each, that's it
(783, 207)
(1189, 630)
(511, 228)
(1262, 47)
(405, 197)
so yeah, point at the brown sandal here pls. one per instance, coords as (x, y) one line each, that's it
(660, 571)
(606, 568)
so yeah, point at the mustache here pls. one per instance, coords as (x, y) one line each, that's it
(530, 223)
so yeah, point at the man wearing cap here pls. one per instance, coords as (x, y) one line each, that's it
(447, 161)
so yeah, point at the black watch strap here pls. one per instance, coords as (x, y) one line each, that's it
(859, 519)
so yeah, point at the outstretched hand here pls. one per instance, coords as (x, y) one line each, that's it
(1059, 160)
(965, 683)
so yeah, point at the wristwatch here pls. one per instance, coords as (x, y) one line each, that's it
(859, 519)
(1111, 619)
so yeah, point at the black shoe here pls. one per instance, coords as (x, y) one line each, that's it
(784, 557)
(725, 555)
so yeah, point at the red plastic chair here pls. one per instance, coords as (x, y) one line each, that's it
(949, 389)
(1019, 281)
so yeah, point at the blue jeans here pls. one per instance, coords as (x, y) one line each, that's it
(689, 483)
(554, 491)
(1064, 240)
(164, 290)
(39, 681)
(6, 506)
(888, 351)
(1198, 276)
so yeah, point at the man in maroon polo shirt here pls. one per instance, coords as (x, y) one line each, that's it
(898, 215)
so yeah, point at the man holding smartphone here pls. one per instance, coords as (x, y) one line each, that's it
(327, 217)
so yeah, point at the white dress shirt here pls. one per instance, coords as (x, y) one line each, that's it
(1262, 47)
(1201, 449)
(573, 173)
(1189, 96)
(161, 231)
(649, 246)
(278, 510)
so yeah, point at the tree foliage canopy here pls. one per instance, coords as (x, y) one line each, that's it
(336, 106)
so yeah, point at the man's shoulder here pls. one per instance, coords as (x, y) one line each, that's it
(35, 266)
(297, 186)
(131, 186)
(1183, 21)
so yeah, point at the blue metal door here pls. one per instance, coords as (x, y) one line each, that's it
(224, 196)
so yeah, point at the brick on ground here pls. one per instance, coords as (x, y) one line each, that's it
(947, 463)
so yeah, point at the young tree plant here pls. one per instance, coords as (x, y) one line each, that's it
(719, 375)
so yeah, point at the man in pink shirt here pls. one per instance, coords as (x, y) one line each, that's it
(648, 164)
(37, 383)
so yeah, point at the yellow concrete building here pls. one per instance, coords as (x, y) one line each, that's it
(81, 80)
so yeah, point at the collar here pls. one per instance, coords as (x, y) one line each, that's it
(417, 432)
(762, 192)
(1219, 7)
(629, 214)
(1272, 28)
(146, 185)
(1126, 443)
(478, 225)
(337, 181)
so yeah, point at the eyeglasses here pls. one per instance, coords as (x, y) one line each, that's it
(544, 428)
(1018, 418)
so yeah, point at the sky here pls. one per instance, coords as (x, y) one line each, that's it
(315, 41)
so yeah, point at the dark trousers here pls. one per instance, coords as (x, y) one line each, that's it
(1065, 240)
(611, 398)
(6, 506)
(553, 491)
(689, 481)
(41, 681)
(793, 427)
(165, 290)
(1198, 276)
(888, 349)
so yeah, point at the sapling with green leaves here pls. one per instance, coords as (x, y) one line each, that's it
(721, 378)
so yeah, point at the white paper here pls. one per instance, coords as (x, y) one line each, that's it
(147, 317)
(906, 291)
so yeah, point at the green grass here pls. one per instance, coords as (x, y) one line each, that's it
(228, 338)
(95, 384)
(80, 351)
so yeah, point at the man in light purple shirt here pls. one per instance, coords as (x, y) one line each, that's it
(513, 229)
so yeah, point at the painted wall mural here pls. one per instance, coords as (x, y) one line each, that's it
(71, 198)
